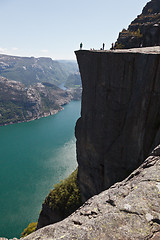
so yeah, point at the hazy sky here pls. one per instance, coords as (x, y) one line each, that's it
(55, 28)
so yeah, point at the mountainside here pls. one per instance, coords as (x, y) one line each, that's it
(19, 103)
(144, 30)
(30, 70)
(73, 81)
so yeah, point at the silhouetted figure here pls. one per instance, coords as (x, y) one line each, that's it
(103, 46)
(113, 46)
(81, 45)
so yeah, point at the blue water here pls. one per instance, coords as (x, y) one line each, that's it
(33, 157)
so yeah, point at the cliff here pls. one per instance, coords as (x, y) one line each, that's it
(120, 115)
(19, 103)
(128, 210)
(144, 30)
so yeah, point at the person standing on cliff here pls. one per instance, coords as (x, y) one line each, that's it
(81, 45)
(103, 46)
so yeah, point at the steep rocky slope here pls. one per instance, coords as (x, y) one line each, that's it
(30, 70)
(144, 30)
(120, 115)
(19, 103)
(128, 210)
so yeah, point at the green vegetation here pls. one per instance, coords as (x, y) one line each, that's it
(11, 112)
(65, 197)
(127, 36)
(31, 228)
(137, 33)
(119, 46)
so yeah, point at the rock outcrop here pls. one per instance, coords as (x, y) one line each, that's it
(144, 30)
(129, 210)
(19, 103)
(120, 115)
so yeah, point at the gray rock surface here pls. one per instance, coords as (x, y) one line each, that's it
(129, 210)
(120, 116)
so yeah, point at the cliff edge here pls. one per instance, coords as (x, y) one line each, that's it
(120, 115)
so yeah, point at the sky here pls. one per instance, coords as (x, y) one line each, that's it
(55, 28)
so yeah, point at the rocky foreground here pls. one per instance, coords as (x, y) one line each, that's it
(129, 210)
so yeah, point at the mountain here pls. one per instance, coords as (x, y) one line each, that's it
(30, 70)
(19, 103)
(69, 66)
(73, 81)
(144, 30)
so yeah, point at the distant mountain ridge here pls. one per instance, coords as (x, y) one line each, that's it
(30, 70)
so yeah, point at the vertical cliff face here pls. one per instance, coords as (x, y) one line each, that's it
(120, 116)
